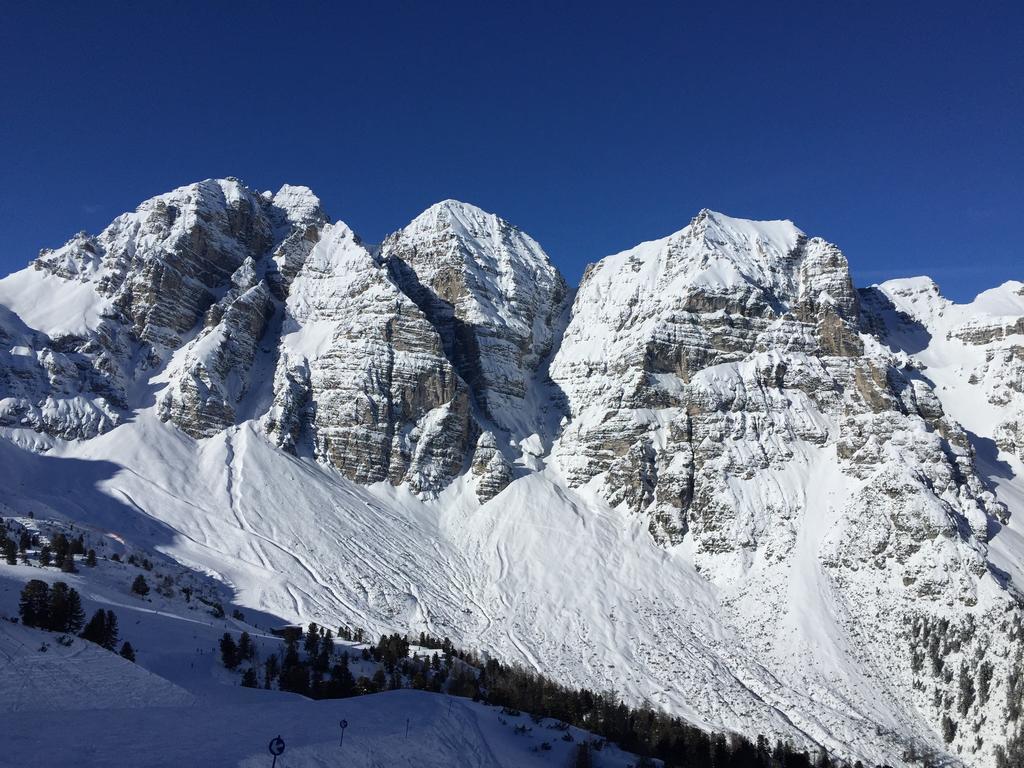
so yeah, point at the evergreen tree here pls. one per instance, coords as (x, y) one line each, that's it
(10, 551)
(249, 678)
(76, 614)
(948, 729)
(45, 556)
(229, 651)
(312, 641)
(295, 678)
(271, 670)
(67, 565)
(65, 609)
(60, 549)
(24, 540)
(96, 630)
(90, 558)
(323, 656)
(139, 586)
(583, 757)
(110, 634)
(245, 647)
(291, 654)
(34, 604)
(342, 684)
(379, 680)
(127, 651)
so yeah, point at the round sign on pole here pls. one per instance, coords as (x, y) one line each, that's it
(276, 746)
(343, 724)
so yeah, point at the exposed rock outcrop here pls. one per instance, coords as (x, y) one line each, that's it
(493, 296)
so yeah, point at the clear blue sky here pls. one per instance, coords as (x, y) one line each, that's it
(893, 129)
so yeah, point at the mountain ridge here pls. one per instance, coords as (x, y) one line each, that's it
(717, 419)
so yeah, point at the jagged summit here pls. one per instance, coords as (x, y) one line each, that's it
(494, 296)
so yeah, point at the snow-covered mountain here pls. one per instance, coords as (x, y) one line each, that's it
(718, 478)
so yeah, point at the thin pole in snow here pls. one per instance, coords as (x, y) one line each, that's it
(407, 727)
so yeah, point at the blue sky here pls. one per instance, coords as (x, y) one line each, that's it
(892, 129)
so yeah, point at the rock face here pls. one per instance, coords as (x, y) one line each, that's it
(363, 372)
(493, 296)
(840, 466)
(973, 351)
(648, 362)
(215, 375)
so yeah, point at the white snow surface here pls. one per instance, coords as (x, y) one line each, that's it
(79, 704)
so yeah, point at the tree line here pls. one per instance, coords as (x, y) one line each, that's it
(59, 609)
(308, 665)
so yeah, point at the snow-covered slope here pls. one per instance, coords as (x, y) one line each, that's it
(724, 482)
(68, 701)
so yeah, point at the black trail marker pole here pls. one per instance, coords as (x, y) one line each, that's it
(407, 727)
(276, 747)
(344, 725)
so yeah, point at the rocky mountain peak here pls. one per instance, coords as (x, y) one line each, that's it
(298, 203)
(492, 293)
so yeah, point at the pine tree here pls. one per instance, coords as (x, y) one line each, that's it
(948, 729)
(342, 683)
(295, 679)
(76, 614)
(10, 551)
(249, 678)
(65, 610)
(90, 558)
(45, 556)
(67, 565)
(60, 549)
(271, 669)
(229, 651)
(312, 641)
(110, 638)
(96, 630)
(245, 647)
(34, 604)
(127, 652)
(291, 654)
(139, 586)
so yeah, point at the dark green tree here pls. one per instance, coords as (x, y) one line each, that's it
(229, 651)
(110, 635)
(65, 610)
(127, 652)
(271, 670)
(246, 651)
(139, 586)
(312, 640)
(90, 558)
(96, 630)
(34, 604)
(10, 551)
